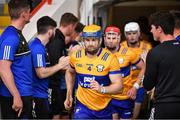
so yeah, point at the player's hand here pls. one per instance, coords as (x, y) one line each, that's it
(132, 93)
(151, 94)
(68, 103)
(94, 85)
(63, 62)
(17, 104)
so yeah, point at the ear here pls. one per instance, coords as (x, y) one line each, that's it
(104, 37)
(22, 15)
(160, 30)
(119, 38)
(50, 32)
(139, 33)
(100, 42)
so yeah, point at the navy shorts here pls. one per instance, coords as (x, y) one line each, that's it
(82, 112)
(124, 108)
(140, 95)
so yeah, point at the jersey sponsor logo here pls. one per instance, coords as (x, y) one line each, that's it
(100, 68)
(88, 79)
(86, 82)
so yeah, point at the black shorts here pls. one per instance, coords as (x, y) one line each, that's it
(8, 113)
(41, 108)
(58, 97)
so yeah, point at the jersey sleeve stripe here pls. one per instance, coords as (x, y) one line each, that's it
(137, 62)
(39, 60)
(124, 51)
(78, 54)
(114, 72)
(6, 53)
(105, 56)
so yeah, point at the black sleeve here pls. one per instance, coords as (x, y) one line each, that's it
(55, 51)
(151, 71)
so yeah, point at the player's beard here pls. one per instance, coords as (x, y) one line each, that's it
(110, 48)
(92, 52)
(133, 42)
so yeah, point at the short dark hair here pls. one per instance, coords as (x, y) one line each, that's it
(16, 7)
(176, 15)
(67, 19)
(44, 24)
(163, 19)
(79, 27)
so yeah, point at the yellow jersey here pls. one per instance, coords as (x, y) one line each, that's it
(126, 58)
(97, 68)
(144, 46)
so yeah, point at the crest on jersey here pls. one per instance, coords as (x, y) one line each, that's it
(100, 68)
(121, 60)
(79, 65)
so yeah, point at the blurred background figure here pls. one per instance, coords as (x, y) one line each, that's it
(176, 15)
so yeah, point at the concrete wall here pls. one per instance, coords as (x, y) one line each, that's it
(55, 11)
(71, 6)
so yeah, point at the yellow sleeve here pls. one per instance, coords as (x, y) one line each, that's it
(114, 65)
(72, 59)
(135, 58)
(149, 46)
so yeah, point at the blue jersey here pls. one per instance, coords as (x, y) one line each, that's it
(13, 47)
(38, 52)
(178, 38)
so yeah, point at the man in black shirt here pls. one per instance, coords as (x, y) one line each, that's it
(162, 67)
(56, 49)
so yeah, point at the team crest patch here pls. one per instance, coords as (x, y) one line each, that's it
(121, 60)
(100, 68)
(79, 65)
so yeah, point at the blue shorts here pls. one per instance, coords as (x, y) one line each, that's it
(124, 108)
(140, 95)
(82, 112)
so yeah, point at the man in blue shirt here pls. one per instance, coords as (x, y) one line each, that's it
(15, 64)
(46, 30)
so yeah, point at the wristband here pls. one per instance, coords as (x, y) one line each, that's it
(136, 85)
(103, 90)
(142, 79)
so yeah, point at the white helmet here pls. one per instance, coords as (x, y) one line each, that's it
(131, 26)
